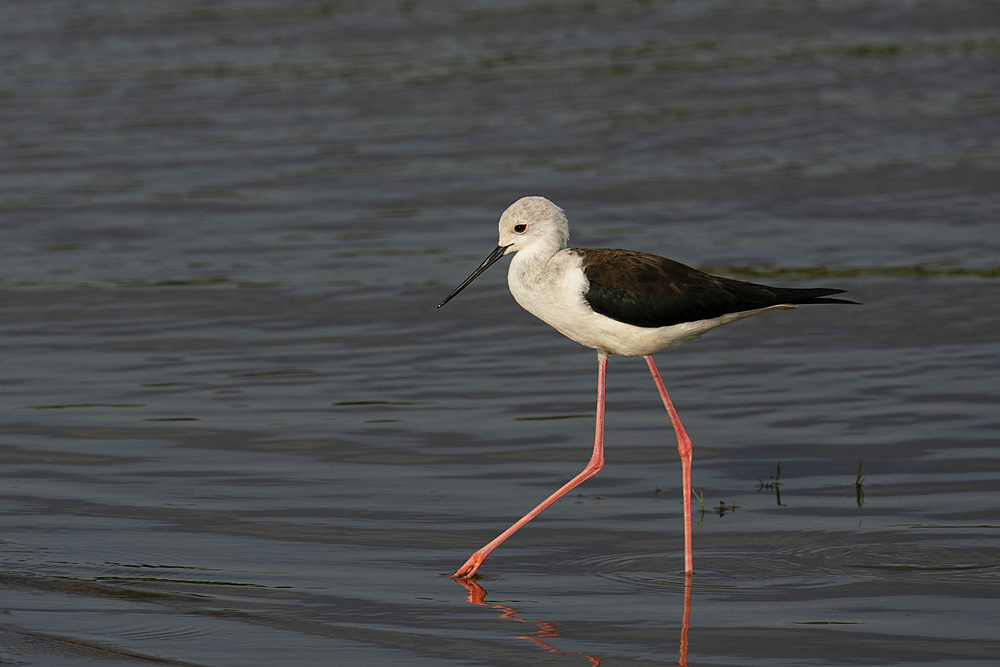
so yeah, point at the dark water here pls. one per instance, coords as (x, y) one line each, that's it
(235, 430)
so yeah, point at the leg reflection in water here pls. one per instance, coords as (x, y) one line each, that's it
(546, 630)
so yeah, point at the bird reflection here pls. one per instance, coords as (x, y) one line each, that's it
(546, 630)
(682, 660)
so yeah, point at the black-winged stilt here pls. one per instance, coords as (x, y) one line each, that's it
(618, 302)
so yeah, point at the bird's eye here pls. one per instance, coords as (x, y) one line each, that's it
(519, 229)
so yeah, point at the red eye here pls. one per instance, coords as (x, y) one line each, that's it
(520, 228)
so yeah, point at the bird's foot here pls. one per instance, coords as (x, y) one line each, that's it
(468, 570)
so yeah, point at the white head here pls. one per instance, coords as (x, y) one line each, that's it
(530, 222)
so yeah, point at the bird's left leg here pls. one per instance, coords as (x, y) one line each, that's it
(684, 449)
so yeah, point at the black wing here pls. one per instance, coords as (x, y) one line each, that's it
(651, 291)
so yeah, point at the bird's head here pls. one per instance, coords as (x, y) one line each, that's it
(533, 221)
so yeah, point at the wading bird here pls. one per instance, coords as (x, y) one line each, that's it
(618, 302)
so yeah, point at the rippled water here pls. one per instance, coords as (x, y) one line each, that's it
(236, 431)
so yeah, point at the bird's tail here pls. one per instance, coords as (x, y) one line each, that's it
(807, 295)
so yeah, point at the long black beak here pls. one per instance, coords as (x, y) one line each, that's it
(487, 263)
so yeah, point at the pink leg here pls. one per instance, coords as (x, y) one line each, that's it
(596, 463)
(684, 449)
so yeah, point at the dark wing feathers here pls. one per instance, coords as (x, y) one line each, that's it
(650, 291)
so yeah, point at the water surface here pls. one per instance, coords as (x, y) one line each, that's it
(236, 431)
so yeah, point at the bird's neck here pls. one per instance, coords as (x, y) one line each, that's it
(534, 260)
(531, 268)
